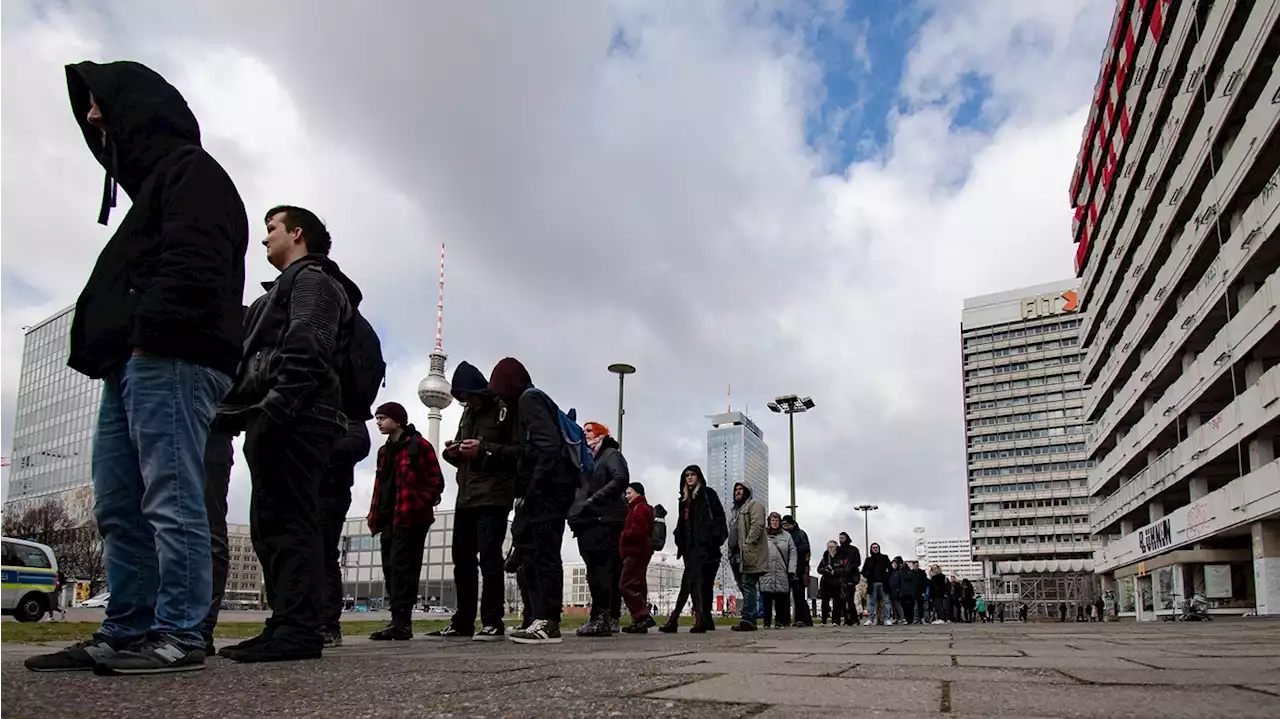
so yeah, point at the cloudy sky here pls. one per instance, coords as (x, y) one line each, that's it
(782, 196)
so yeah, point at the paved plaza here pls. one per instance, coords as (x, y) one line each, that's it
(1227, 668)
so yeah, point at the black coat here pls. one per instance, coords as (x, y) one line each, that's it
(170, 281)
(914, 582)
(829, 571)
(701, 528)
(851, 561)
(603, 500)
(877, 568)
(489, 478)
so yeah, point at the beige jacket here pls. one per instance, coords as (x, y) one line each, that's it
(753, 540)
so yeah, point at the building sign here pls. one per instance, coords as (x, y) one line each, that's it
(1156, 537)
(1050, 304)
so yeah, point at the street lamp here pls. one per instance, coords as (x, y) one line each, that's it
(622, 370)
(790, 405)
(866, 527)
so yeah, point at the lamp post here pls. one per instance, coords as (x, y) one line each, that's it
(866, 509)
(790, 405)
(622, 370)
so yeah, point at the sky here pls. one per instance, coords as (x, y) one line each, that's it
(778, 196)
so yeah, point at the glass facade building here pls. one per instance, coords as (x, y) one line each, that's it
(736, 452)
(57, 410)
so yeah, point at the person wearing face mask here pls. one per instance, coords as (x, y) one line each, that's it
(699, 533)
(596, 518)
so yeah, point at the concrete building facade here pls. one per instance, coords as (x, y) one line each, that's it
(736, 452)
(1177, 256)
(1024, 434)
(244, 588)
(56, 413)
(953, 555)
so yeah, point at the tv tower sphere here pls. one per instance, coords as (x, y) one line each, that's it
(434, 389)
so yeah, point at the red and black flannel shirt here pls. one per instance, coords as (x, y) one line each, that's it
(418, 485)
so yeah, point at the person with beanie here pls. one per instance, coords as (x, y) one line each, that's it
(803, 617)
(406, 489)
(484, 452)
(748, 552)
(546, 481)
(596, 518)
(636, 547)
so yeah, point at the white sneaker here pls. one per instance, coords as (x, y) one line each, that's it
(888, 622)
(867, 623)
(540, 631)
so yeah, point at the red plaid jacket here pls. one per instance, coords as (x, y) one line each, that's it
(418, 485)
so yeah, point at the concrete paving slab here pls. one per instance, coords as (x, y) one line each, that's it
(916, 660)
(1045, 662)
(1208, 675)
(1265, 688)
(757, 668)
(1110, 702)
(1232, 662)
(811, 691)
(956, 674)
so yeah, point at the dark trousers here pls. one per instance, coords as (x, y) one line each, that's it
(634, 585)
(526, 604)
(544, 569)
(477, 545)
(686, 588)
(335, 500)
(598, 545)
(798, 598)
(907, 606)
(217, 482)
(700, 589)
(849, 598)
(287, 465)
(778, 603)
(830, 602)
(940, 605)
(402, 568)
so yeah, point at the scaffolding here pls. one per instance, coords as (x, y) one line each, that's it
(1045, 593)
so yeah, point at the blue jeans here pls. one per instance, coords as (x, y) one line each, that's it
(750, 586)
(876, 599)
(148, 484)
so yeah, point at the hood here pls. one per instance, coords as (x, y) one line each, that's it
(466, 378)
(746, 494)
(844, 540)
(509, 379)
(354, 295)
(607, 442)
(146, 119)
(702, 480)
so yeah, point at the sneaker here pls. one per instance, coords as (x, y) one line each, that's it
(331, 638)
(278, 649)
(489, 634)
(541, 631)
(744, 626)
(641, 626)
(669, 628)
(595, 628)
(246, 644)
(162, 655)
(393, 632)
(614, 626)
(78, 657)
(448, 632)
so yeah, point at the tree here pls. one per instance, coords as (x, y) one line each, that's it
(78, 547)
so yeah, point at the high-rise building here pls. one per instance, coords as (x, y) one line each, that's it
(56, 412)
(952, 555)
(1024, 434)
(736, 452)
(1175, 195)
(244, 588)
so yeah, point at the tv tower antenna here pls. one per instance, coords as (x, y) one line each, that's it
(434, 390)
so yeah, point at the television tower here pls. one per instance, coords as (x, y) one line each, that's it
(434, 389)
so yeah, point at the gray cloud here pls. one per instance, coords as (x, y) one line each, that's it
(652, 201)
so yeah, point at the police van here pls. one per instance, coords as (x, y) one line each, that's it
(30, 579)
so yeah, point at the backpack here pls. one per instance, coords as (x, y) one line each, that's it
(361, 368)
(575, 439)
(658, 535)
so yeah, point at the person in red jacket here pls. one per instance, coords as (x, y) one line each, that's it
(406, 489)
(636, 549)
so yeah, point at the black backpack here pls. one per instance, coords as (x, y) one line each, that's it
(658, 536)
(361, 369)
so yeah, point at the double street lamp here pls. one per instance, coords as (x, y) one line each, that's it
(622, 370)
(790, 405)
(866, 509)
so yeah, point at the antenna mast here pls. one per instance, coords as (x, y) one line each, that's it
(440, 306)
(730, 398)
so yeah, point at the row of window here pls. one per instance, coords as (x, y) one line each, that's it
(1071, 431)
(1027, 451)
(1020, 383)
(1022, 366)
(1021, 332)
(1032, 503)
(1025, 399)
(1029, 521)
(1038, 539)
(1026, 417)
(1026, 486)
(1023, 349)
(1031, 469)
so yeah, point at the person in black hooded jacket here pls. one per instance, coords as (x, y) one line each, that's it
(597, 517)
(848, 571)
(287, 397)
(701, 530)
(484, 452)
(159, 321)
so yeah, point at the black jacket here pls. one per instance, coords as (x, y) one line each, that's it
(170, 281)
(702, 527)
(544, 477)
(604, 498)
(803, 553)
(829, 571)
(896, 579)
(292, 347)
(914, 582)
(353, 447)
(850, 564)
(877, 568)
(489, 478)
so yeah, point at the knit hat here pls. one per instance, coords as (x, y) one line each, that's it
(596, 428)
(788, 519)
(393, 411)
(637, 488)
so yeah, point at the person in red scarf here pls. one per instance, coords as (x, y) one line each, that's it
(636, 548)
